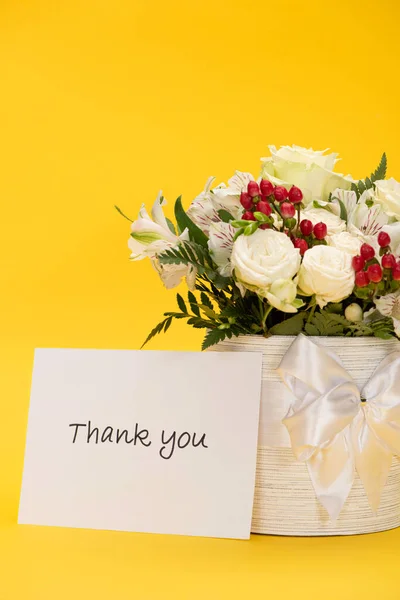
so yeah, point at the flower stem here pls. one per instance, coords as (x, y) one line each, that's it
(265, 316)
(312, 311)
(298, 219)
(278, 212)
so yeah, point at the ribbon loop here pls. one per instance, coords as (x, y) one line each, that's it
(333, 429)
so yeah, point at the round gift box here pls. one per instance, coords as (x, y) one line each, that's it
(284, 501)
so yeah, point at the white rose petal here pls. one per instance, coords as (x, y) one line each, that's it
(345, 242)
(387, 193)
(310, 170)
(333, 223)
(327, 273)
(262, 258)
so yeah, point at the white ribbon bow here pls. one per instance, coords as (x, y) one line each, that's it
(335, 429)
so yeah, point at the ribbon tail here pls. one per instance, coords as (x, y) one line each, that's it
(372, 459)
(331, 471)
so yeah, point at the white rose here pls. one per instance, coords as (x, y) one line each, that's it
(345, 242)
(387, 193)
(262, 258)
(333, 223)
(310, 170)
(328, 273)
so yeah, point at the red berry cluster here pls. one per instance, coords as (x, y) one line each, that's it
(311, 235)
(262, 198)
(367, 267)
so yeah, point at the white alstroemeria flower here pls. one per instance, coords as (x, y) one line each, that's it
(366, 220)
(347, 197)
(389, 306)
(333, 223)
(150, 237)
(345, 242)
(172, 275)
(220, 245)
(228, 197)
(309, 170)
(282, 295)
(393, 229)
(203, 211)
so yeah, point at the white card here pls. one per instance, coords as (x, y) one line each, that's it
(101, 451)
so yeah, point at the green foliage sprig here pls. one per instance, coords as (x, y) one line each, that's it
(380, 172)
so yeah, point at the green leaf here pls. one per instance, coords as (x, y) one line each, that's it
(213, 337)
(184, 222)
(254, 225)
(361, 186)
(292, 326)
(206, 300)
(157, 329)
(181, 303)
(335, 307)
(122, 214)
(354, 188)
(326, 324)
(190, 253)
(198, 322)
(380, 171)
(193, 303)
(343, 211)
(167, 324)
(383, 335)
(171, 226)
(225, 216)
(209, 312)
(368, 183)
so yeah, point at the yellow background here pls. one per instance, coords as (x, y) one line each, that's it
(103, 102)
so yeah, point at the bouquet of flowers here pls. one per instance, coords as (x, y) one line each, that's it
(301, 249)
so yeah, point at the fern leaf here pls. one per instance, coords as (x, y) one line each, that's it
(206, 300)
(213, 337)
(193, 304)
(157, 329)
(326, 324)
(181, 303)
(380, 171)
